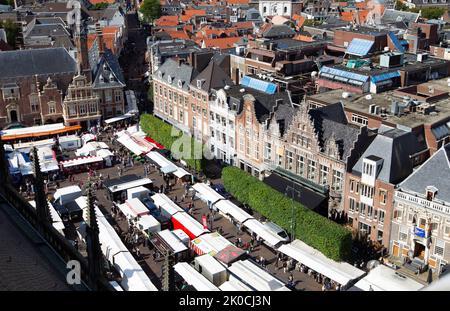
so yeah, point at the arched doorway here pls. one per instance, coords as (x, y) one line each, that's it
(13, 116)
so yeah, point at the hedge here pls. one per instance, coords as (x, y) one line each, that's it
(162, 133)
(333, 240)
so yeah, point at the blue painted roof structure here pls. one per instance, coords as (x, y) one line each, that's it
(340, 74)
(359, 47)
(259, 85)
(385, 76)
(396, 42)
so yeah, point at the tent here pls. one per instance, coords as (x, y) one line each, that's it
(263, 232)
(230, 254)
(340, 272)
(167, 206)
(188, 224)
(229, 208)
(255, 277)
(210, 243)
(133, 208)
(194, 278)
(234, 286)
(81, 161)
(206, 193)
(383, 278)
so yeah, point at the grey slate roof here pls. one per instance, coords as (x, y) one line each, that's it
(183, 73)
(213, 77)
(36, 62)
(330, 122)
(392, 16)
(105, 65)
(394, 146)
(277, 31)
(434, 172)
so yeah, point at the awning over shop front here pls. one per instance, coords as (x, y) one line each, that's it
(228, 207)
(38, 131)
(263, 232)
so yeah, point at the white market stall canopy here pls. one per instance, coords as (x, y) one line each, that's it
(264, 232)
(210, 243)
(130, 184)
(104, 153)
(81, 161)
(234, 286)
(167, 205)
(173, 241)
(33, 129)
(149, 223)
(133, 208)
(133, 277)
(194, 278)
(88, 137)
(181, 172)
(188, 224)
(159, 159)
(40, 143)
(340, 272)
(57, 221)
(91, 147)
(228, 207)
(383, 278)
(119, 118)
(206, 193)
(255, 277)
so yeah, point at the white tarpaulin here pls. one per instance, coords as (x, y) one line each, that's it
(340, 272)
(159, 159)
(172, 240)
(209, 243)
(133, 208)
(194, 278)
(263, 232)
(382, 278)
(81, 161)
(206, 193)
(167, 206)
(181, 172)
(255, 277)
(228, 207)
(119, 118)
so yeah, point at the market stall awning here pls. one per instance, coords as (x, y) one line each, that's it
(194, 278)
(157, 145)
(181, 172)
(81, 161)
(119, 118)
(228, 207)
(340, 272)
(210, 243)
(38, 131)
(263, 232)
(206, 193)
(168, 169)
(230, 254)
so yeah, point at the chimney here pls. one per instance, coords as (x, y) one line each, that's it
(100, 42)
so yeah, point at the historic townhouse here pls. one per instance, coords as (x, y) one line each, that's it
(81, 104)
(370, 183)
(23, 76)
(171, 95)
(212, 77)
(255, 115)
(420, 226)
(316, 148)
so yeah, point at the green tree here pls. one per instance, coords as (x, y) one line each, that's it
(12, 31)
(151, 10)
(432, 12)
(7, 2)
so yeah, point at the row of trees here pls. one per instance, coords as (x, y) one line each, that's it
(333, 240)
(426, 12)
(181, 145)
(151, 10)
(12, 31)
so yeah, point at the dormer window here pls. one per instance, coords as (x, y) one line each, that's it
(160, 75)
(199, 84)
(431, 193)
(180, 84)
(169, 79)
(101, 79)
(111, 77)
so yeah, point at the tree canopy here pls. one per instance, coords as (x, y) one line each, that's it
(151, 9)
(12, 31)
(426, 12)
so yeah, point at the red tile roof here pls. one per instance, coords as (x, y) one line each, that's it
(167, 21)
(221, 43)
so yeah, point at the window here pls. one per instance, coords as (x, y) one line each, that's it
(82, 109)
(383, 196)
(397, 214)
(224, 122)
(422, 223)
(439, 248)
(337, 180)
(175, 97)
(300, 165)
(212, 132)
(352, 185)
(199, 84)
(108, 95)
(248, 147)
(289, 160)
(362, 209)
(323, 178)
(51, 108)
(311, 169)
(264, 9)
(359, 119)
(257, 151)
(92, 108)
(34, 103)
(403, 236)
(72, 110)
(285, 9)
(231, 140)
(352, 204)
(118, 96)
(367, 191)
(380, 236)
(268, 151)
(381, 216)
(181, 116)
(369, 211)
(241, 144)
(447, 231)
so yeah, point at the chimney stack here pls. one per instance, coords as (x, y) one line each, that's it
(100, 42)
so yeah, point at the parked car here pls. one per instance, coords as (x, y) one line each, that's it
(278, 230)
(220, 189)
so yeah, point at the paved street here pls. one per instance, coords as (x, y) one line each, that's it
(152, 267)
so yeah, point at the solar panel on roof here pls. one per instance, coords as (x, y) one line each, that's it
(259, 85)
(343, 73)
(359, 47)
(385, 76)
(396, 42)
